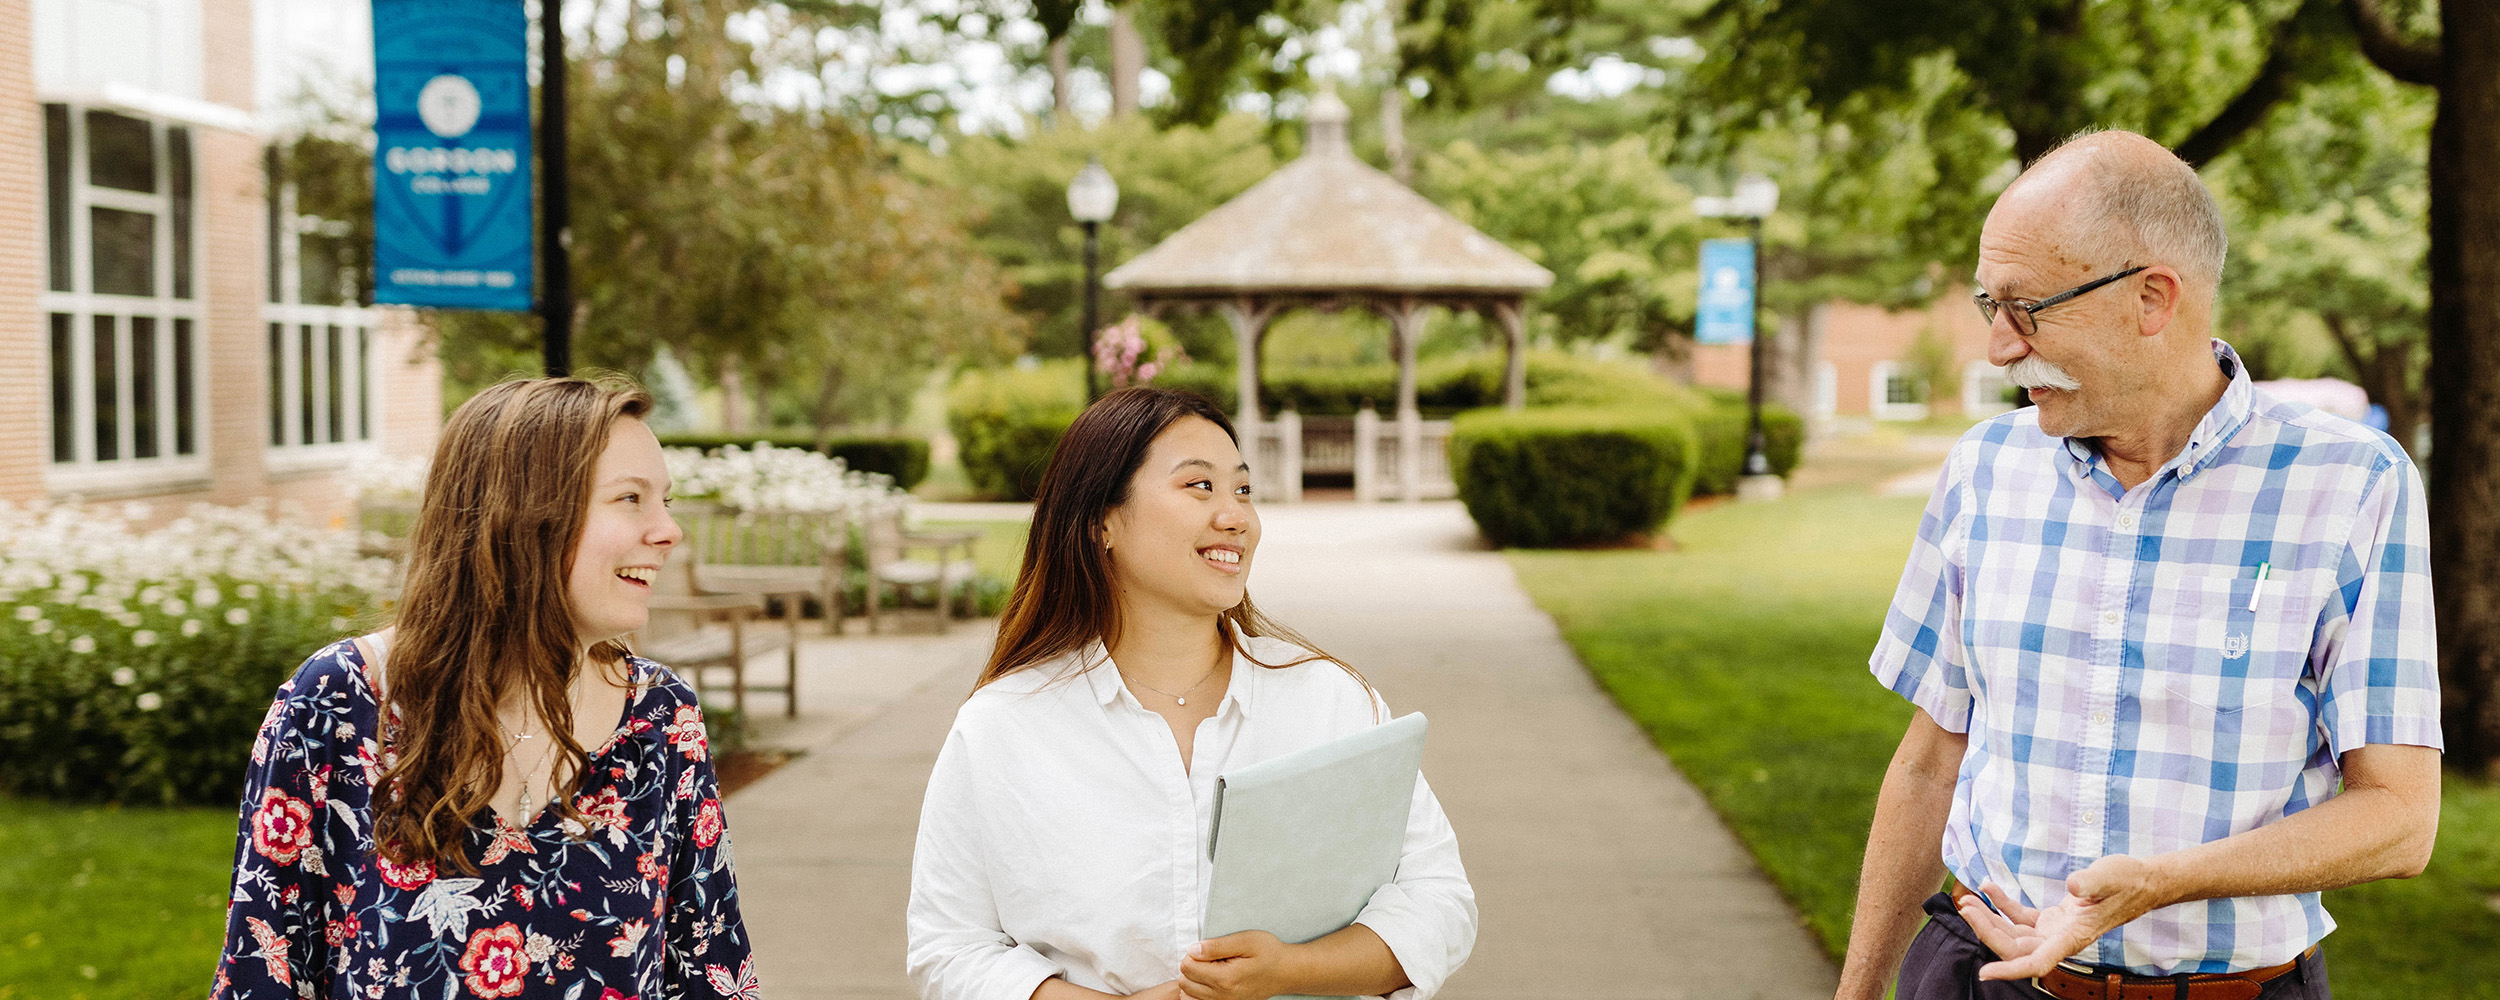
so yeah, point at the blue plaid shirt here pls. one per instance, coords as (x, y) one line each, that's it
(2129, 686)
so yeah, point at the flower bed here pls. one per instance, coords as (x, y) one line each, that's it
(136, 663)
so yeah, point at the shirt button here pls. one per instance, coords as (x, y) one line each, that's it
(2091, 817)
(2126, 521)
(2100, 717)
(2109, 618)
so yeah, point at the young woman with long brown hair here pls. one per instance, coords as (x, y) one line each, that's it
(493, 797)
(1063, 837)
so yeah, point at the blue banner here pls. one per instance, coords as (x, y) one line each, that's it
(451, 168)
(1725, 313)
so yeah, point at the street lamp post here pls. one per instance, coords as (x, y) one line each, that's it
(1092, 197)
(1755, 198)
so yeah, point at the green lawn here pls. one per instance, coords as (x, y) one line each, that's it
(105, 902)
(1000, 552)
(1743, 653)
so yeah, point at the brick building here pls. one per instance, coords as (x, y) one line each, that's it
(1842, 360)
(170, 330)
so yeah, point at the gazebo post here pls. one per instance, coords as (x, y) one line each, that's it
(1406, 322)
(1248, 318)
(1512, 313)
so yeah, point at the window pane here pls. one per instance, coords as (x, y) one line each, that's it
(143, 387)
(304, 369)
(338, 403)
(56, 152)
(178, 177)
(121, 152)
(108, 438)
(125, 251)
(364, 386)
(64, 391)
(322, 259)
(277, 384)
(183, 444)
(274, 240)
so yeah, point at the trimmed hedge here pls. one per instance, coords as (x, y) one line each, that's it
(1442, 387)
(1543, 478)
(1719, 430)
(1007, 421)
(904, 458)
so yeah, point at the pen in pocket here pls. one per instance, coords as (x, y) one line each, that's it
(2263, 570)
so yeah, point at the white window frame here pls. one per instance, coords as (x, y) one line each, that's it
(1983, 390)
(356, 403)
(83, 474)
(1879, 395)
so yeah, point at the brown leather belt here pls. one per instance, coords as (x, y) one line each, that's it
(2076, 981)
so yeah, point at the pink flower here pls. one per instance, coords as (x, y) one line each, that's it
(405, 876)
(649, 866)
(686, 734)
(497, 961)
(281, 827)
(707, 823)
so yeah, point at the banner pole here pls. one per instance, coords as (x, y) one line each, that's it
(556, 209)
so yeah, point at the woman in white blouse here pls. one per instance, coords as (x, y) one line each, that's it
(1063, 840)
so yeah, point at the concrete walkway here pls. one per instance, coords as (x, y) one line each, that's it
(1599, 872)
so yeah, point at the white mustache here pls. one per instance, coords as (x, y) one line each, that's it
(2031, 372)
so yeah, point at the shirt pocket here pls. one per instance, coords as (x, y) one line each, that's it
(2207, 646)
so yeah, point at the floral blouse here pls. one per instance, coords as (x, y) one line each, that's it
(639, 904)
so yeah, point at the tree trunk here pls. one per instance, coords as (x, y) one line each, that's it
(1061, 105)
(733, 398)
(2464, 379)
(1393, 134)
(1128, 59)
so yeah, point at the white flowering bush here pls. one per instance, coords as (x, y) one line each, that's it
(136, 662)
(767, 479)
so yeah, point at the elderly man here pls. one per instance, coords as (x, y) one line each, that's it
(2169, 638)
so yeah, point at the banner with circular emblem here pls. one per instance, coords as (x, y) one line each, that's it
(451, 164)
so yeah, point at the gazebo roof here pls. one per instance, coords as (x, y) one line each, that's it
(1329, 224)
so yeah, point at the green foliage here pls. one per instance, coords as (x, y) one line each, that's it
(1542, 478)
(2330, 210)
(1016, 191)
(180, 728)
(1442, 387)
(1615, 228)
(902, 458)
(1719, 429)
(1007, 421)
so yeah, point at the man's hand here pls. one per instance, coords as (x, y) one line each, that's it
(1251, 965)
(1165, 991)
(2099, 899)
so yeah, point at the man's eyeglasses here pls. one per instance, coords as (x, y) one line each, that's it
(2024, 309)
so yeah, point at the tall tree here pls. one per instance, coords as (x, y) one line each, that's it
(2463, 63)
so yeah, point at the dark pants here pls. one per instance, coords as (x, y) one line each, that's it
(1943, 964)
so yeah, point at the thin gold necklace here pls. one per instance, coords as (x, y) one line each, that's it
(1177, 699)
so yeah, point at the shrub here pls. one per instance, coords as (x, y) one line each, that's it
(136, 665)
(1006, 423)
(1719, 426)
(1444, 386)
(902, 458)
(1543, 478)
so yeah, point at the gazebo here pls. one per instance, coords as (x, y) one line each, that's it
(1328, 231)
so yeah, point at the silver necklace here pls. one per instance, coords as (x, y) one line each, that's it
(1177, 699)
(529, 802)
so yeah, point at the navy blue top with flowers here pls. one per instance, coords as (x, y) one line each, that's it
(641, 902)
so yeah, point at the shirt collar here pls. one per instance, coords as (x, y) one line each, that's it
(2211, 433)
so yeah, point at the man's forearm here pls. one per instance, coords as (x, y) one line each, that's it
(2378, 828)
(1903, 865)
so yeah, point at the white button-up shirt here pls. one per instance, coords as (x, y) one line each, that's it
(1060, 835)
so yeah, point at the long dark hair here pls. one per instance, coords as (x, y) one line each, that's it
(486, 608)
(1063, 599)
